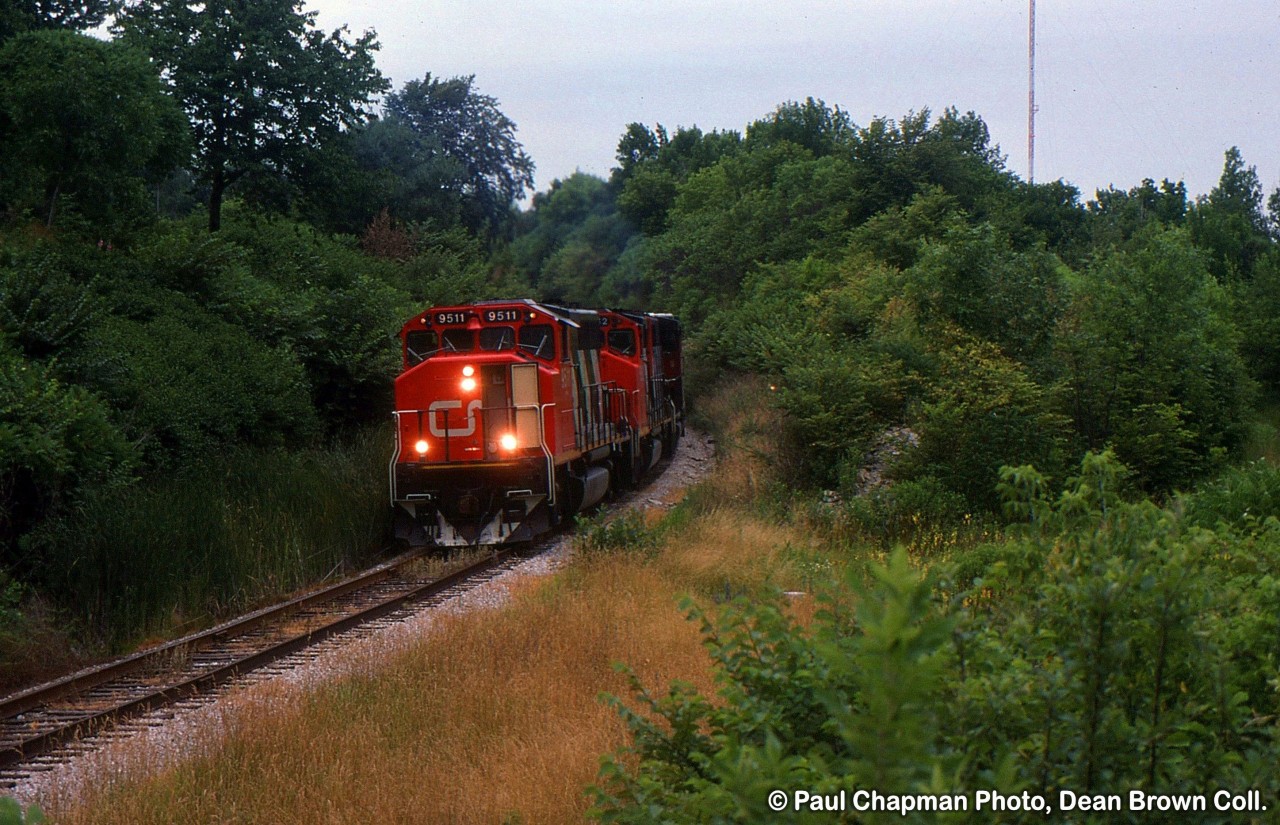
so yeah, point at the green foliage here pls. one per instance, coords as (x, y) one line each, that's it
(54, 438)
(1229, 223)
(1257, 314)
(985, 411)
(775, 204)
(213, 537)
(894, 513)
(1143, 643)
(44, 309)
(653, 165)
(575, 238)
(84, 124)
(1245, 498)
(1108, 645)
(461, 137)
(821, 130)
(848, 704)
(1117, 216)
(11, 813)
(972, 277)
(325, 306)
(262, 86)
(1149, 361)
(191, 382)
(608, 534)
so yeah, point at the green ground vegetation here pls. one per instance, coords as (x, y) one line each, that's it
(196, 350)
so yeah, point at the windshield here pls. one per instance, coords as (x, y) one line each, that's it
(537, 340)
(420, 345)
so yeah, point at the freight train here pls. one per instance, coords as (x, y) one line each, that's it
(510, 416)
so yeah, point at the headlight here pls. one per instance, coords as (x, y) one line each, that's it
(422, 446)
(468, 384)
(508, 442)
(468, 371)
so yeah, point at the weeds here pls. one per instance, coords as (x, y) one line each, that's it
(605, 534)
(216, 537)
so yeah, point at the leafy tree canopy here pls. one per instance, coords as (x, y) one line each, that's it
(461, 139)
(263, 87)
(82, 120)
(17, 16)
(811, 124)
(1229, 221)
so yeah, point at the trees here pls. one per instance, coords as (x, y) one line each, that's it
(1149, 361)
(17, 16)
(262, 85)
(575, 239)
(810, 124)
(1229, 222)
(462, 138)
(82, 120)
(652, 165)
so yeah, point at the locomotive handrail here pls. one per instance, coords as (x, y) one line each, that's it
(484, 411)
(395, 457)
(551, 463)
(540, 409)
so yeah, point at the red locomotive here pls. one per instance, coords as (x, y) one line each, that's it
(512, 415)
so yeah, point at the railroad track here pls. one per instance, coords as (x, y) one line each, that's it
(51, 723)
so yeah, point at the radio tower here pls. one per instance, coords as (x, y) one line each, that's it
(1031, 95)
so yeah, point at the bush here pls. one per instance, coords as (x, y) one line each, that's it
(607, 534)
(1149, 361)
(848, 704)
(894, 513)
(985, 411)
(188, 383)
(1243, 498)
(54, 438)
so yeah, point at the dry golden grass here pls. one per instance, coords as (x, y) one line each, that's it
(493, 717)
(726, 552)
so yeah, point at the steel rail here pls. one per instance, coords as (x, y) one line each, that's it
(50, 740)
(83, 680)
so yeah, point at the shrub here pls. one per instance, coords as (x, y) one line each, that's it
(893, 513)
(607, 534)
(848, 704)
(1244, 498)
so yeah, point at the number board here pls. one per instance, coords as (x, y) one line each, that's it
(501, 316)
(445, 318)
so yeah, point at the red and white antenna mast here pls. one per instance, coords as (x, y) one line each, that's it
(1031, 95)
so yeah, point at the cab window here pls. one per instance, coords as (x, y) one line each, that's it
(538, 340)
(457, 340)
(622, 341)
(419, 345)
(494, 339)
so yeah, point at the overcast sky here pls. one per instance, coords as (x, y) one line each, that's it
(1126, 90)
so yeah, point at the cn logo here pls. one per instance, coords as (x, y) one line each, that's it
(438, 406)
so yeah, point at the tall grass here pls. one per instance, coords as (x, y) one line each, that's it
(494, 716)
(216, 536)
